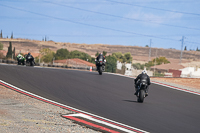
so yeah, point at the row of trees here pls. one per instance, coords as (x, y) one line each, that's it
(48, 55)
(1, 35)
(191, 49)
(156, 61)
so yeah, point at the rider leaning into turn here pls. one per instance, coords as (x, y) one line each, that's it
(19, 56)
(141, 77)
(29, 55)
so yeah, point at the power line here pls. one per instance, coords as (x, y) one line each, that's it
(111, 15)
(90, 25)
(67, 20)
(153, 8)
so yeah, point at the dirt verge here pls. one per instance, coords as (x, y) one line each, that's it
(20, 113)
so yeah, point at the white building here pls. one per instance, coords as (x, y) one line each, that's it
(128, 69)
(190, 72)
(186, 72)
(119, 65)
(196, 74)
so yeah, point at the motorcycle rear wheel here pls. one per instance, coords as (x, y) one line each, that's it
(100, 70)
(141, 96)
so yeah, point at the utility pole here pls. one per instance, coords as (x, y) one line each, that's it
(53, 60)
(155, 63)
(150, 50)
(182, 40)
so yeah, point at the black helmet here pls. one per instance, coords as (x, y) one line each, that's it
(29, 53)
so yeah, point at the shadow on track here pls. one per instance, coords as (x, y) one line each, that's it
(130, 101)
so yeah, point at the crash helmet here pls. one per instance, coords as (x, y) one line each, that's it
(29, 53)
(144, 72)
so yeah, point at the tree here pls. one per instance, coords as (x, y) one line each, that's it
(97, 54)
(138, 66)
(14, 54)
(81, 55)
(11, 35)
(185, 48)
(1, 35)
(198, 49)
(47, 55)
(128, 57)
(119, 56)
(62, 54)
(147, 46)
(158, 61)
(1, 46)
(104, 53)
(111, 64)
(9, 53)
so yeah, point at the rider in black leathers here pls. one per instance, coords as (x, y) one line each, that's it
(100, 56)
(140, 77)
(32, 58)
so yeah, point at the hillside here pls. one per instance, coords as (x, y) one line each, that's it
(138, 53)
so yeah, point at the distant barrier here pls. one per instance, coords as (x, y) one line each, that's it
(49, 65)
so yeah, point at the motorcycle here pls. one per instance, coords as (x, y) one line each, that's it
(101, 66)
(142, 88)
(30, 61)
(20, 61)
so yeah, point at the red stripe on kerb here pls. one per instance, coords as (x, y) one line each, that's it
(118, 125)
(91, 124)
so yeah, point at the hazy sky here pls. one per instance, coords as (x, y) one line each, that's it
(115, 22)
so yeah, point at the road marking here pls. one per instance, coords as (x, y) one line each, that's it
(90, 115)
(99, 121)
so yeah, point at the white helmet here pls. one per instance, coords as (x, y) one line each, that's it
(144, 72)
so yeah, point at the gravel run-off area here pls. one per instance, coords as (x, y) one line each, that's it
(20, 113)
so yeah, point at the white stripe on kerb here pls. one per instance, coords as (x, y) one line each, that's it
(104, 123)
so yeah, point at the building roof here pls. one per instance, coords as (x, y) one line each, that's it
(174, 66)
(76, 61)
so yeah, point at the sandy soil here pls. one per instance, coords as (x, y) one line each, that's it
(189, 82)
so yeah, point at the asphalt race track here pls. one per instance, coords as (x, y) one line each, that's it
(164, 111)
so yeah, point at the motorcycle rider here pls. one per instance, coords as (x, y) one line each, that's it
(142, 77)
(100, 56)
(29, 56)
(20, 58)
